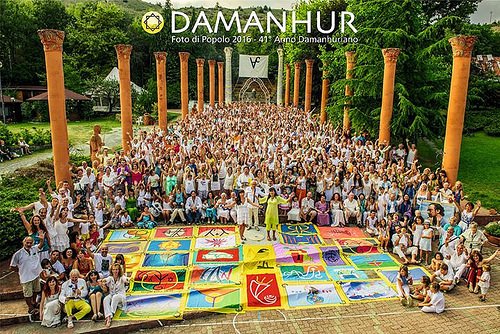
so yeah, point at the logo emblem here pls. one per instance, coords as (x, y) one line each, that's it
(152, 22)
(254, 61)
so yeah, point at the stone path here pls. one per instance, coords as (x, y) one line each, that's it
(111, 139)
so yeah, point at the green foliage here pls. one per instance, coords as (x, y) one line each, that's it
(493, 129)
(33, 136)
(434, 10)
(493, 229)
(478, 120)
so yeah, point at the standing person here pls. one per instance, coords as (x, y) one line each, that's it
(253, 193)
(242, 212)
(73, 293)
(116, 286)
(102, 260)
(33, 226)
(26, 262)
(425, 243)
(271, 217)
(436, 302)
(484, 281)
(50, 308)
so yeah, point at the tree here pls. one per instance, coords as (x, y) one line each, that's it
(435, 10)
(106, 89)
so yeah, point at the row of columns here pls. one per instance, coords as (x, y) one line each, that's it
(52, 41)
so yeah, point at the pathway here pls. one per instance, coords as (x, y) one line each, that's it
(111, 139)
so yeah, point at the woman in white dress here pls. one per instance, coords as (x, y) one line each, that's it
(337, 210)
(242, 213)
(222, 208)
(50, 308)
(229, 181)
(422, 194)
(294, 213)
(116, 285)
(61, 240)
(328, 184)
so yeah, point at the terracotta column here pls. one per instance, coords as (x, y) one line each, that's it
(287, 85)
(52, 41)
(309, 82)
(123, 53)
(279, 88)
(228, 93)
(220, 66)
(296, 84)
(462, 48)
(390, 60)
(351, 62)
(161, 83)
(199, 66)
(325, 87)
(184, 56)
(211, 72)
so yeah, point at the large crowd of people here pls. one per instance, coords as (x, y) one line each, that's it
(249, 165)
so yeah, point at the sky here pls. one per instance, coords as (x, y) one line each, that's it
(482, 15)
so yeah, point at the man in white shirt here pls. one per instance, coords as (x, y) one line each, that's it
(402, 245)
(244, 178)
(26, 262)
(444, 277)
(307, 209)
(457, 261)
(102, 260)
(56, 264)
(72, 295)
(351, 208)
(193, 208)
(252, 194)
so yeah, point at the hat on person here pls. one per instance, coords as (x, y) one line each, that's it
(427, 222)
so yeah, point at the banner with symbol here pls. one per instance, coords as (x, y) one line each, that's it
(253, 66)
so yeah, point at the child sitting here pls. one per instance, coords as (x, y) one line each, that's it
(434, 303)
(422, 291)
(436, 262)
(444, 277)
(125, 220)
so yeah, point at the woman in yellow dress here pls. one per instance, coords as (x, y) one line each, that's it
(271, 217)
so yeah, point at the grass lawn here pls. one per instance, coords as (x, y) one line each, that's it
(79, 132)
(479, 166)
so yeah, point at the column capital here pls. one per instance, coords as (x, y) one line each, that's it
(123, 50)
(462, 45)
(228, 51)
(160, 56)
(220, 64)
(309, 63)
(350, 56)
(184, 56)
(390, 55)
(51, 39)
(287, 67)
(200, 62)
(211, 62)
(280, 52)
(297, 65)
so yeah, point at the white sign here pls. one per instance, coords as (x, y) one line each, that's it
(253, 66)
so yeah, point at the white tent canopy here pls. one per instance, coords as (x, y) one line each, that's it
(115, 76)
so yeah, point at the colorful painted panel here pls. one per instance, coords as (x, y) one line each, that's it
(158, 280)
(218, 243)
(358, 245)
(216, 231)
(133, 261)
(328, 232)
(263, 291)
(296, 254)
(300, 239)
(216, 299)
(169, 245)
(151, 307)
(217, 255)
(312, 295)
(346, 273)
(415, 272)
(226, 274)
(128, 235)
(367, 290)
(303, 273)
(173, 232)
(131, 247)
(332, 256)
(259, 257)
(298, 229)
(373, 261)
(166, 260)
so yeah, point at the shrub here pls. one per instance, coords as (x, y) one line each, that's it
(493, 229)
(493, 129)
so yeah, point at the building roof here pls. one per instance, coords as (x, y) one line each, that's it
(70, 95)
(10, 99)
(114, 75)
